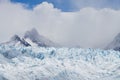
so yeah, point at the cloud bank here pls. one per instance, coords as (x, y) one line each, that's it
(87, 27)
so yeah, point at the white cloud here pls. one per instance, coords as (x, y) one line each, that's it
(88, 27)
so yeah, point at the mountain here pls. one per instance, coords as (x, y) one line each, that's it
(115, 44)
(16, 41)
(34, 37)
(30, 38)
(51, 63)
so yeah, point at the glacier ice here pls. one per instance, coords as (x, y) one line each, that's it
(39, 63)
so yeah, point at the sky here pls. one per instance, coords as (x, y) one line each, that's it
(84, 23)
(73, 5)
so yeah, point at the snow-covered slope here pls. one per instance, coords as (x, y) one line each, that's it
(30, 38)
(39, 63)
(38, 39)
(115, 44)
(17, 41)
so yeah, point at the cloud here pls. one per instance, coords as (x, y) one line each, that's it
(88, 27)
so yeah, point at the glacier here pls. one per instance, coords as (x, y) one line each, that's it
(40, 63)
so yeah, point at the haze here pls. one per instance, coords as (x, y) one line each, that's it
(87, 27)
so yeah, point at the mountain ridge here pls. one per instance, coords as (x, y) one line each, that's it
(115, 44)
(30, 37)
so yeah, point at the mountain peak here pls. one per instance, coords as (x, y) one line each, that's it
(117, 38)
(115, 44)
(31, 38)
(15, 38)
(32, 33)
(38, 39)
(34, 30)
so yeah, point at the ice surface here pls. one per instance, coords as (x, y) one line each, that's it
(39, 63)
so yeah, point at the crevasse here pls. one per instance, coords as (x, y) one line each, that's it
(39, 63)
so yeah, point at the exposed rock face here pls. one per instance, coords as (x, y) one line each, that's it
(30, 37)
(38, 39)
(115, 44)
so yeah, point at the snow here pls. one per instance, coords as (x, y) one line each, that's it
(38, 39)
(115, 44)
(30, 38)
(30, 42)
(39, 63)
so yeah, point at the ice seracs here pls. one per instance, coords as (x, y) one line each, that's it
(40, 63)
(34, 57)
